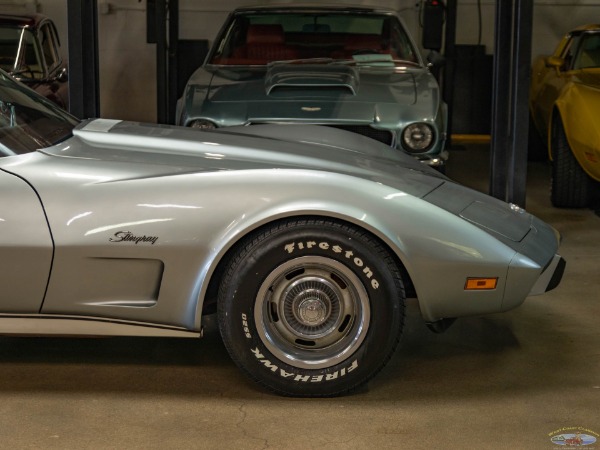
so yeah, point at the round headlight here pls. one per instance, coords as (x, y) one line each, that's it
(202, 124)
(417, 137)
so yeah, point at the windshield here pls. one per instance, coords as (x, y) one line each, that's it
(28, 121)
(589, 51)
(18, 53)
(262, 38)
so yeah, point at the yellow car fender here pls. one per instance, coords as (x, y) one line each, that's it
(579, 109)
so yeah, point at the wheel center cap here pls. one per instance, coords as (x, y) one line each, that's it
(312, 311)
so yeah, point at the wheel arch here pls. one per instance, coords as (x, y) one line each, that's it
(569, 109)
(209, 300)
(312, 323)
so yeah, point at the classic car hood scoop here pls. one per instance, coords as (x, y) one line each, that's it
(314, 93)
(276, 91)
(290, 78)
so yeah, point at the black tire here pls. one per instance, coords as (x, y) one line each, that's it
(311, 307)
(571, 186)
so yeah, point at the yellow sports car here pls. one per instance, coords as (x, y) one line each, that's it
(565, 110)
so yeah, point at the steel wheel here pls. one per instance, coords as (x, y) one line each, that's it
(312, 311)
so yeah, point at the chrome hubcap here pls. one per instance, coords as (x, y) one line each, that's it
(312, 312)
(308, 303)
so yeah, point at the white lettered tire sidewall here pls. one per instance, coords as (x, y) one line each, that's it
(311, 307)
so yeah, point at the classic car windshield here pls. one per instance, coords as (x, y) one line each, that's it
(588, 55)
(19, 54)
(262, 38)
(29, 121)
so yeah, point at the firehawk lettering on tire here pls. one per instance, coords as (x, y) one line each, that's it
(304, 378)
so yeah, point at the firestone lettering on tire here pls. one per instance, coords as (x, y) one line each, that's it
(304, 378)
(348, 254)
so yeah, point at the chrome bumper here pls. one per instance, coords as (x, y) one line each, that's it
(434, 161)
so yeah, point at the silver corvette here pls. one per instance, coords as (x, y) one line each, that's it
(304, 240)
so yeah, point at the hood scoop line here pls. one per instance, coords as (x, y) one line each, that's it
(292, 77)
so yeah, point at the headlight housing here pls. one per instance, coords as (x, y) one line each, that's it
(202, 124)
(417, 137)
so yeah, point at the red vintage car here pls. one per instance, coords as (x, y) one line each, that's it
(30, 52)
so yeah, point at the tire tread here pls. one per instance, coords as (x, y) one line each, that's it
(571, 186)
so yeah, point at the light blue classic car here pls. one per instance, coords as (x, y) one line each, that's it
(351, 68)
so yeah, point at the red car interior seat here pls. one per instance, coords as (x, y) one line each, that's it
(265, 43)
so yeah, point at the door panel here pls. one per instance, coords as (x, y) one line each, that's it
(25, 247)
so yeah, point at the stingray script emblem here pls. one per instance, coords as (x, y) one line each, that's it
(128, 236)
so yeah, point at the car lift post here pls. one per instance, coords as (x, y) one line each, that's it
(82, 24)
(510, 110)
(163, 30)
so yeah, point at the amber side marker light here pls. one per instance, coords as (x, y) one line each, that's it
(480, 284)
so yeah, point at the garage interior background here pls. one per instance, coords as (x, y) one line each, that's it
(128, 66)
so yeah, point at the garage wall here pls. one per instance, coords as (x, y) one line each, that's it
(127, 66)
(551, 20)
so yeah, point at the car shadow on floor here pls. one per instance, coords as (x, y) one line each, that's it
(426, 364)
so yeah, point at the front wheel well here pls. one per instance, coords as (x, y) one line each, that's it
(210, 300)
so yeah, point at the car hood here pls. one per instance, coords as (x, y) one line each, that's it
(126, 151)
(150, 151)
(589, 77)
(310, 93)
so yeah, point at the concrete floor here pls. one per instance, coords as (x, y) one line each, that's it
(497, 382)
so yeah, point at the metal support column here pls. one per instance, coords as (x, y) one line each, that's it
(82, 16)
(512, 60)
(521, 73)
(450, 65)
(160, 27)
(172, 59)
(163, 23)
(501, 99)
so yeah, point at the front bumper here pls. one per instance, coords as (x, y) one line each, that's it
(550, 277)
(433, 160)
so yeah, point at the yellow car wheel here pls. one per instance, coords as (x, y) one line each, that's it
(571, 186)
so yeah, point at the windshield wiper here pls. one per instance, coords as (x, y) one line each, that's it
(366, 62)
(321, 60)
